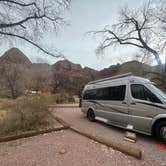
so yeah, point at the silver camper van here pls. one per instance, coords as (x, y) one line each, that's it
(126, 101)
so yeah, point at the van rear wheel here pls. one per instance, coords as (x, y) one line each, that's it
(91, 115)
(160, 131)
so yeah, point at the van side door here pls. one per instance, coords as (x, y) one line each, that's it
(113, 104)
(142, 107)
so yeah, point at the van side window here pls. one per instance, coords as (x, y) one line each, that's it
(108, 93)
(137, 91)
(89, 94)
(140, 92)
(117, 93)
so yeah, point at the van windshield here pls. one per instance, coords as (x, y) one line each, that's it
(158, 91)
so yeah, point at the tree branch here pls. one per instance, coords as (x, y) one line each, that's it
(59, 55)
(123, 41)
(18, 3)
(35, 17)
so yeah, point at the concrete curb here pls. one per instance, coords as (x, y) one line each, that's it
(64, 106)
(30, 134)
(61, 121)
(137, 153)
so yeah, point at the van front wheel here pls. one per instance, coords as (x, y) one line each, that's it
(160, 131)
(91, 115)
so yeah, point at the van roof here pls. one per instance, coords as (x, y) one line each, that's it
(111, 78)
(119, 79)
(122, 76)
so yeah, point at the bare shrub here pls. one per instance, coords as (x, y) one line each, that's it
(11, 80)
(61, 98)
(33, 110)
(25, 113)
(28, 112)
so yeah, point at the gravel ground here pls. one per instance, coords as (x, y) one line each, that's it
(62, 148)
(66, 147)
(152, 155)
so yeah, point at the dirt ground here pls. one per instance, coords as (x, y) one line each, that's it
(69, 148)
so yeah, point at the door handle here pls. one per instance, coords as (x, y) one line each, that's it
(124, 102)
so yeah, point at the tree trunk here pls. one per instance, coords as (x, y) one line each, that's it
(164, 76)
(157, 57)
(13, 96)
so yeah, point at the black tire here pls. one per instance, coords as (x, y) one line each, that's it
(91, 115)
(160, 131)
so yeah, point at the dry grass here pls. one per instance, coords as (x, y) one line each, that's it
(24, 113)
(32, 110)
(59, 98)
(28, 112)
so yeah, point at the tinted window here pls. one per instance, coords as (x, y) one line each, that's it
(137, 91)
(108, 93)
(117, 93)
(142, 93)
(89, 94)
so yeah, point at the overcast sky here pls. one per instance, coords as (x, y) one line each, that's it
(83, 16)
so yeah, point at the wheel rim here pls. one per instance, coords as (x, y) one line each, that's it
(91, 115)
(163, 132)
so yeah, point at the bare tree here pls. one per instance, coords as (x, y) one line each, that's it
(161, 16)
(39, 77)
(10, 79)
(58, 80)
(138, 28)
(29, 20)
(143, 57)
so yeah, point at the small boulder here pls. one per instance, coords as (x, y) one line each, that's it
(62, 151)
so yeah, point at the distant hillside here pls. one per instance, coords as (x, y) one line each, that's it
(70, 77)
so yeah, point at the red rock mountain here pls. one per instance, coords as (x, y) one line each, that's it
(14, 55)
(70, 77)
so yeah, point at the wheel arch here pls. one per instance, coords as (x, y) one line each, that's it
(156, 121)
(90, 108)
